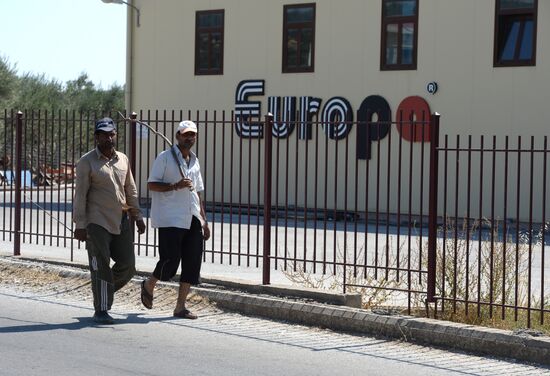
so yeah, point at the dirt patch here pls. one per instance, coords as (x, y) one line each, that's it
(63, 282)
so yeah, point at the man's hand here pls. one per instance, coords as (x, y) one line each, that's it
(141, 226)
(205, 231)
(185, 183)
(81, 234)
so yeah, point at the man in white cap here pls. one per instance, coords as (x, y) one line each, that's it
(177, 211)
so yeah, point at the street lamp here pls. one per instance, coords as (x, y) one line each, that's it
(124, 2)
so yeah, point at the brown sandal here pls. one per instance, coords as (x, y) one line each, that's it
(185, 314)
(146, 298)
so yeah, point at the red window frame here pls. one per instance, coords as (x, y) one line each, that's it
(516, 15)
(399, 21)
(211, 70)
(300, 26)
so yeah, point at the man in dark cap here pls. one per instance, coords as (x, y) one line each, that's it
(105, 196)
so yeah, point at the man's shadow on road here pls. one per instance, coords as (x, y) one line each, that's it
(80, 323)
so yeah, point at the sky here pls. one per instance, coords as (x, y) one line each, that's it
(63, 38)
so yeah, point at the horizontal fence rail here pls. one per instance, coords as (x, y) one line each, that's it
(386, 208)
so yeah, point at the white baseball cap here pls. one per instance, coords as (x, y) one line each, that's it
(186, 126)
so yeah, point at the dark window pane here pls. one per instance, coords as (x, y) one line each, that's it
(392, 39)
(516, 4)
(306, 48)
(407, 47)
(299, 14)
(210, 20)
(216, 42)
(203, 51)
(400, 8)
(510, 37)
(292, 47)
(526, 48)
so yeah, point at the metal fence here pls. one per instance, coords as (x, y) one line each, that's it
(353, 206)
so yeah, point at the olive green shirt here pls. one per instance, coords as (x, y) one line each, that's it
(104, 189)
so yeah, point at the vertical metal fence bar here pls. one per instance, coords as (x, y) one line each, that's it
(530, 231)
(367, 172)
(58, 151)
(316, 195)
(40, 169)
(277, 169)
(543, 229)
(232, 127)
(287, 142)
(132, 144)
(505, 228)
(335, 212)
(13, 128)
(258, 192)
(24, 178)
(377, 204)
(445, 223)
(249, 188)
(46, 164)
(410, 208)
(455, 237)
(493, 231)
(240, 199)
(480, 226)
(468, 216)
(399, 183)
(73, 165)
(17, 160)
(4, 169)
(214, 173)
(388, 195)
(355, 212)
(267, 200)
(222, 185)
(518, 189)
(306, 156)
(66, 177)
(432, 222)
(296, 167)
(421, 232)
(346, 189)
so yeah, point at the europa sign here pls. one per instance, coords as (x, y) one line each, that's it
(336, 117)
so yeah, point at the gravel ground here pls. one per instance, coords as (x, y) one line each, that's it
(63, 282)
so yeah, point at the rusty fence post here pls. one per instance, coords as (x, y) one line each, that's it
(268, 125)
(133, 161)
(17, 172)
(432, 219)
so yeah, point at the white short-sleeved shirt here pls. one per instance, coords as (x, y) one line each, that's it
(175, 208)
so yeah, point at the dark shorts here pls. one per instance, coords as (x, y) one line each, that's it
(180, 245)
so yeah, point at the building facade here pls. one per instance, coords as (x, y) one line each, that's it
(482, 64)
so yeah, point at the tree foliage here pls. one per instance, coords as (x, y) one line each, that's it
(59, 117)
(37, 92)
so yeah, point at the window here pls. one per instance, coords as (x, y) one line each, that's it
(299, 38)
(399, 34)
(209, 42)
(515, 33)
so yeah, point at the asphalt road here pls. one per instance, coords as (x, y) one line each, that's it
(45, 329)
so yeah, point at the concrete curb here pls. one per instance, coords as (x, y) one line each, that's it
(476, 339)
(480, 340)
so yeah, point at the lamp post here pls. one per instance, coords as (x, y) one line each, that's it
(127, 3)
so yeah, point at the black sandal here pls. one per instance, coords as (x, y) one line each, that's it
(146, 298)
(185, 314)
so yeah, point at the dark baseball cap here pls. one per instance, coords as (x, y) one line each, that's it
(105, 125)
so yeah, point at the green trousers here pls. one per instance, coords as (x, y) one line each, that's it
(103, 246)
